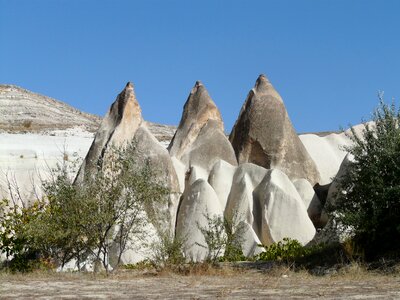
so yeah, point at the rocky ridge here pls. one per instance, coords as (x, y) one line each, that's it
(23, 110)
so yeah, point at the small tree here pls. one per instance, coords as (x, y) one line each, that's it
(368, 200)
(223, 238)
(14, 242)
(126, 195)
(73, 221)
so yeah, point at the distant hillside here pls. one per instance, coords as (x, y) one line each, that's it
(24, 111)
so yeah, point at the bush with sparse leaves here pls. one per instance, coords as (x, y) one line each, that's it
(223, 238)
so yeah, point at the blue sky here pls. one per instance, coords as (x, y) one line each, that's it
(327, 59)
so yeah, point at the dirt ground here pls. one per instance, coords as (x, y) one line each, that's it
(248, 284)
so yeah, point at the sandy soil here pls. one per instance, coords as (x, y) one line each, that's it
(238, 285)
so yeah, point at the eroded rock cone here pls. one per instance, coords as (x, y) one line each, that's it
(118, 126)
(200, 139)
(123, 124)
(263, 134)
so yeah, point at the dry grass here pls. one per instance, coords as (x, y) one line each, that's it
(195, 281)
(353, 270)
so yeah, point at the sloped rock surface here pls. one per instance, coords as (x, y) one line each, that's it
(210, 146)
(310, 199)
(327, 152)
(240, 200)
(23, 110)
(263, 134)
(220, 178)
(240, 204)
(334, 187)
(149, 149)
(200, 139)
(250, 241)
(198, 109)
(199, 200)
(329, 149)
(118, 127)
(280, 210)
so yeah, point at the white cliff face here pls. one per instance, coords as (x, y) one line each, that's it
(37, 133)
(26, 159)
(327, 153)
(328, 150)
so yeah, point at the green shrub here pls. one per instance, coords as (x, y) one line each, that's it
(286, 250)
(368, 202)
(141, 265)
(15, 240)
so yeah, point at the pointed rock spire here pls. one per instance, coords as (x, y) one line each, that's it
(262, 83)
(263, 134)
(198, 109)
(200, 139)
(264, 87)
(123, 123)
(118, 126)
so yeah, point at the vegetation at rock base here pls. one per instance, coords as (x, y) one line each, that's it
(368, 201)
(77, 221)
(223, 238)
(287, 250)
(168, 250)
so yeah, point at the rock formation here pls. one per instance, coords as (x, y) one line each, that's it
(122, 124)
(280, 211)
(149, 149)
(118, 127)
(334, 187)
(263, 134)
(310, 199)
(199, 200)
(220, 178)
(240, 200)
(272, 192)
(240, 204)
(327, 152)
(200, 139)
